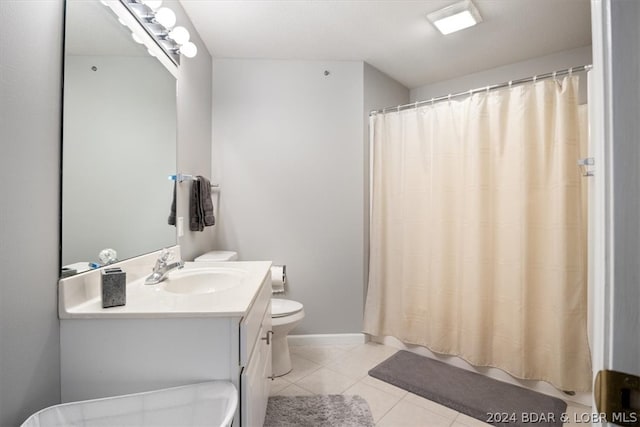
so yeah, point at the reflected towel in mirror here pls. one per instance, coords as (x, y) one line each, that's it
(172, 213)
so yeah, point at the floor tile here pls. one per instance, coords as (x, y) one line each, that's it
(410, 415)
(384, 386)
(352, 366)
(578, 415)
(434, 407)
(357, 362)
(294, 390)
(325, 381)
(468, 421)
(373, 350)
(301, 368)
(379, 401)
(278, 384)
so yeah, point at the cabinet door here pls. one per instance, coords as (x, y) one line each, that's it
(253, 321)
(256, 378)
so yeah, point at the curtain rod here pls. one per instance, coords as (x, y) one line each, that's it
(470, 92)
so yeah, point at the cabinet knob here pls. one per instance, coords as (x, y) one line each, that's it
(267, 338)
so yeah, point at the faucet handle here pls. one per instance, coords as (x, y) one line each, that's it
(165, 255)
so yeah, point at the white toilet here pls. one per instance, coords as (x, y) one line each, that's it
(285, 315)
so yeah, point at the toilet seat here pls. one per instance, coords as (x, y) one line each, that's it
(284, 307)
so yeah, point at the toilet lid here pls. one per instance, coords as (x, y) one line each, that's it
(218, 256)
(284, 307)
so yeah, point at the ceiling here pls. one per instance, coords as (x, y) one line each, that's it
(392, 35)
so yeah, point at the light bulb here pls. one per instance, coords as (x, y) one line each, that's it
(180, 35)
(136, 39)
(166, 17)
(153, 4)
(189, 50)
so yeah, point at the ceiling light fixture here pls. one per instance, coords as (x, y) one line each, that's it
(455, 17)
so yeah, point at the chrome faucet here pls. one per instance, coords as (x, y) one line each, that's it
(161, 269)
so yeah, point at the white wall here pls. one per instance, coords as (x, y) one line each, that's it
(518, 70)
(30, 89)
(290, 149)
(288, 152)
(194, 132)
(122, 129)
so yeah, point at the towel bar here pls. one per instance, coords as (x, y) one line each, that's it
(180, 177)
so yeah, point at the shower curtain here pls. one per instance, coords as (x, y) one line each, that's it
(478, 239)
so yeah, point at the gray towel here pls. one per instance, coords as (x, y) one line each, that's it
(172, 213)
(194, 207)
(206, 202)
(200, 205)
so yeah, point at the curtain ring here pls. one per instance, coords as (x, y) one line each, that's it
(535, 78)
(432, 101)
(570, 71)
(554, 75)
(510, 83)
(487, 89)
(449, 98)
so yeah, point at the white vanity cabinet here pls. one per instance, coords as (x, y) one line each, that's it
(255, 358)
(132, 348)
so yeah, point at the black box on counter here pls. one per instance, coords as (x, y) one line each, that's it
(114, 287)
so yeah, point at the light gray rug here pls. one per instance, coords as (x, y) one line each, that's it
(317, 411)
(478, 396)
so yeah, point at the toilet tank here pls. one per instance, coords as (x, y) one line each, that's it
(217, 256)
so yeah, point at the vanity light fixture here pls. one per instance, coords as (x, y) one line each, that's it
(180, 35)
(189, 50)
(165, 17)
(455, 17)
(159, 22)
(153, 4)
(136, 39)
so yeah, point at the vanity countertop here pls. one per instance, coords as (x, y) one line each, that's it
(234, 286)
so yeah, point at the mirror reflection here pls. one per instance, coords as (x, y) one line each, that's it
(119, 141)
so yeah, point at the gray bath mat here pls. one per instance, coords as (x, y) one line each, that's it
(478, 396)
(317, 411)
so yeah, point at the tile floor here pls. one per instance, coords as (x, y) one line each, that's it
(342, 369)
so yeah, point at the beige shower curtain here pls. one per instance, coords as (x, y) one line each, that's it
(478, 241)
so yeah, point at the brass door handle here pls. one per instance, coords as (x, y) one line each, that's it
(616, 396)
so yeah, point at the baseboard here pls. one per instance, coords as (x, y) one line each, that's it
(582, 398)
(327, 339)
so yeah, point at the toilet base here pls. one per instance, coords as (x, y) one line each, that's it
(281, 359)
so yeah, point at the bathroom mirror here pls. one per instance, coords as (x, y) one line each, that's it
(119, 140)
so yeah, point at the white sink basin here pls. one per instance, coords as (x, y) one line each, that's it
(197, 281)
